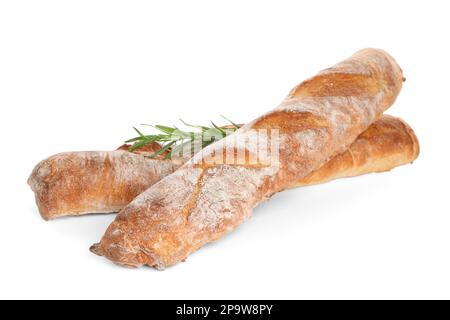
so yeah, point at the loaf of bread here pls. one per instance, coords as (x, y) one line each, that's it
(213, 194)
(387, 143)
(77, 183)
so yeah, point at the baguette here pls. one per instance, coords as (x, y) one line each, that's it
(388, 143)
(77, 183)
(205, 199)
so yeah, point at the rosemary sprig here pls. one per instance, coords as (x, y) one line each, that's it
(174, 140)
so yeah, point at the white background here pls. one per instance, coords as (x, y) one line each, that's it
(77, 75)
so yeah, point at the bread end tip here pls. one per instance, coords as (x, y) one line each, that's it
(95, 249)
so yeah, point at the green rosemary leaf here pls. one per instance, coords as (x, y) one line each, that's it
(232, 123)
(139, 144)
(149, 138)
(139, 133)
(219, 129)
(181, 134)
(194, 126)
(133, 139)
(162, 150)
(165, 129)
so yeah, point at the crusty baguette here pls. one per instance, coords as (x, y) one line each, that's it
(388, 143)
(202, 201)
(77, 183)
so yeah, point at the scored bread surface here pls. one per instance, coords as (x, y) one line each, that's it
(199, 202)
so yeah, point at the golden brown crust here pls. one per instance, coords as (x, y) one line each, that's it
(197, 205)
(76, 183)
(386, 144)
(69, 190)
